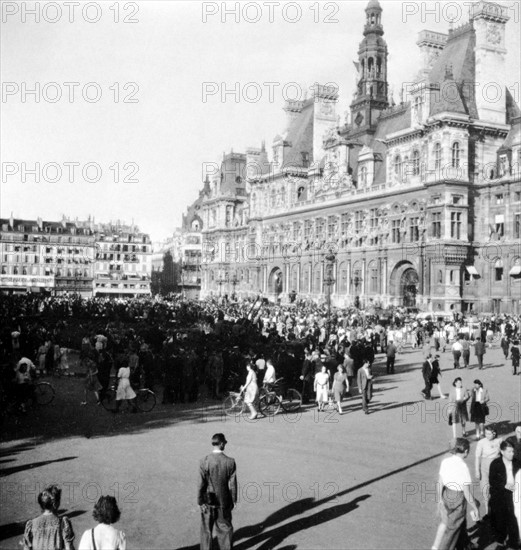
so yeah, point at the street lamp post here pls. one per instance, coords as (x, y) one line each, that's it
(329, 281)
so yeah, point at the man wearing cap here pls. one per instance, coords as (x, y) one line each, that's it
(217, 495)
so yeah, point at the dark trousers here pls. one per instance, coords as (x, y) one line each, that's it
(390, 365)
(480, 361)
(466, 357)
(307, 390)
(221, 520)
(367, 394)
(427, 390)
(457, 355)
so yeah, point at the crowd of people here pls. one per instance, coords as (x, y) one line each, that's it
(195, 349)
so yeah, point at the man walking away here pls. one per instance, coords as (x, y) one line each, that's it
(391, 356)
(365, 382)
(480, 350)
(427, 374)
(217, 495)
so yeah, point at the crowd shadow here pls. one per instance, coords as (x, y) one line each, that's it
(15, 469)
(17, 529)
(268, 535)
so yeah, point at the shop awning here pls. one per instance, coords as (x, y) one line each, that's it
(472, 270)
(515, 271)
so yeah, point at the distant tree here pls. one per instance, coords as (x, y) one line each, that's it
(168, 274)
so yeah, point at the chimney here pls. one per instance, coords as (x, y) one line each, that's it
(431, 45)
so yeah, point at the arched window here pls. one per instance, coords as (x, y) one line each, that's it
(437, 156)
(416, 163)
(300, 193)
(440, 276)
(398, 167)
(455, 155)
(363, 176)
(15, 270)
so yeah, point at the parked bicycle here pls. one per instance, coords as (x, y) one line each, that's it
(276, 397)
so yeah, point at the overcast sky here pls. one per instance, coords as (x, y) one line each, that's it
(159, 64)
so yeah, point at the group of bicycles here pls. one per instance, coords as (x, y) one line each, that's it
(272, 399)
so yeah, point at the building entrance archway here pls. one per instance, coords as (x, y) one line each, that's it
(275, 282)
(404, 284)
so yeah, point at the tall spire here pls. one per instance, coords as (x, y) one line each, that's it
(372, 93)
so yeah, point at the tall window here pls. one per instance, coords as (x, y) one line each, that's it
(320, 225)
(455, 225)
(398, 167)
(307, 229)
(415, 163)
(363, 176)
(414, 230)
(331, 227)
(437, 157)
(500, 225)
(373, 281)
(395, 231)
(455, 155)
(373, 218)
(344, 222)
(436, 225)
(517, 226)
(418, 108)
(359, 219)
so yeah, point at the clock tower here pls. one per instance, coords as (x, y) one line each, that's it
(371, 95)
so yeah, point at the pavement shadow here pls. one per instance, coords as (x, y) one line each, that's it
(274, 537)
(15, 469)
(16, 529)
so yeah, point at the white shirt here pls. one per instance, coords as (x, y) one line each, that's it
(510, 471)
(106, 538)
(269, 376)
(454, 473)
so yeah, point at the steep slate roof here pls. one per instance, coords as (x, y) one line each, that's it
(388, 125)
(514, 135)
(300, 135)
(458, 55)
(512, 109)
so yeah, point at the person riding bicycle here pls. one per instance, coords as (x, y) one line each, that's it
(269, 376)
(25, 373)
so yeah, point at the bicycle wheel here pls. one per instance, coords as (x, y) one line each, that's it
(145, 400)
(43, 393)
(109, 400)
(269, 404)
(233, 405)
(292, 401)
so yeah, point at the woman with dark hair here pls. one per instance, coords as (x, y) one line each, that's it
(458, 406)
(48, 531)
(479, 408)
(454, 492)
(503, 471)
(104, 536)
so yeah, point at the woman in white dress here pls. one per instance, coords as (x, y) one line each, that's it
(251, 391)
(321, 386)
(104, 536)
(125, 391)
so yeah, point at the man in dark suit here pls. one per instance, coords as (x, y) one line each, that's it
(503, 471)
(217, 495)
(307, 377)
(480, 349)
(365, 383)
(427, 374)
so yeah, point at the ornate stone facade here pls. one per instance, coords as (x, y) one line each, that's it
(419, 201)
